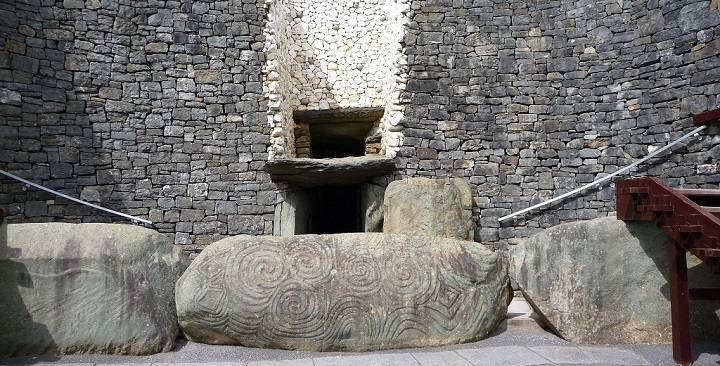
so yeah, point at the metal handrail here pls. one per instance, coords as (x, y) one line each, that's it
(132, 218)
(597, 182)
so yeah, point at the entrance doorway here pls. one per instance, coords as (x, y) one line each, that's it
(335, 209)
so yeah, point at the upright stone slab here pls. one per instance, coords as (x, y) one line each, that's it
(604, 281)
(87, 288)
(351, 292)
(429, 207)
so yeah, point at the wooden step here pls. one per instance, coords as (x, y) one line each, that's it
(708, 252)
(706, 118)
(698, 192)
(656, 208)
(633, 190)
(702, 197)
(684, 228)
(712, 209)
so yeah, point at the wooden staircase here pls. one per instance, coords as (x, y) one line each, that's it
(690, 219)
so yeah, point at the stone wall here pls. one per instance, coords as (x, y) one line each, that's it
(166, 109)
(530, 99)
(154, 108)
(329, 55)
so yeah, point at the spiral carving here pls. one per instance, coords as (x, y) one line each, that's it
(410, 276)
(344, 292)
(297, 309)
(361, 275)
(310, 261)
(351, 317)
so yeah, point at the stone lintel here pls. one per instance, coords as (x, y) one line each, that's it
(306, 172)
(365, 114)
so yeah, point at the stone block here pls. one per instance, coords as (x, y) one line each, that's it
(36, 208)
(8, 96)
(651, 23)
(350, 292)
(426, 153)
(429, 207)
(9, 19)
(156, 47)
(24, 63)
(246, 224)
(74, 62)
(162, 18)
(87, 288)
(563, 64)
(698, 16)
(422, 86)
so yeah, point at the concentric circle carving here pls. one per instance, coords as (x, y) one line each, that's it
(254, 274)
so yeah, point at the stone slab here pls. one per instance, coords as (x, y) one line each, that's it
(447, 358)
(562, 354)
(367, 360)
(613, 356)
(297, 362)
(306, 172)
(604, 281)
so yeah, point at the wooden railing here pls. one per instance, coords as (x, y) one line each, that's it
(688, 218)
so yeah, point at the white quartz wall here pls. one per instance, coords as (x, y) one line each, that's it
(334, 54)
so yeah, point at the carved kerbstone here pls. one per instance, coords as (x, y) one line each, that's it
(354, 292)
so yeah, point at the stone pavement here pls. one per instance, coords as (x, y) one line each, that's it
(519, 341)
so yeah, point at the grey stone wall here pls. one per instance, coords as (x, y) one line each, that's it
(530, 99)
(156, 108)
(153, 108)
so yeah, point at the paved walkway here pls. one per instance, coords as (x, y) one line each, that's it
(519, 341)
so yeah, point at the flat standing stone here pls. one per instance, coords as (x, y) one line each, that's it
(429, 207)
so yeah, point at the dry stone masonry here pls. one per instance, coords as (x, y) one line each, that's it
(530, 99)
(153, 108)
(169, 109)
(328, 55)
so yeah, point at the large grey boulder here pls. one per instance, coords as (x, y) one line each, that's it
(604, 281)
(429, 207)
(87, 288)
(354, 292)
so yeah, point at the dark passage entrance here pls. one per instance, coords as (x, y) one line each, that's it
(335, 209)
